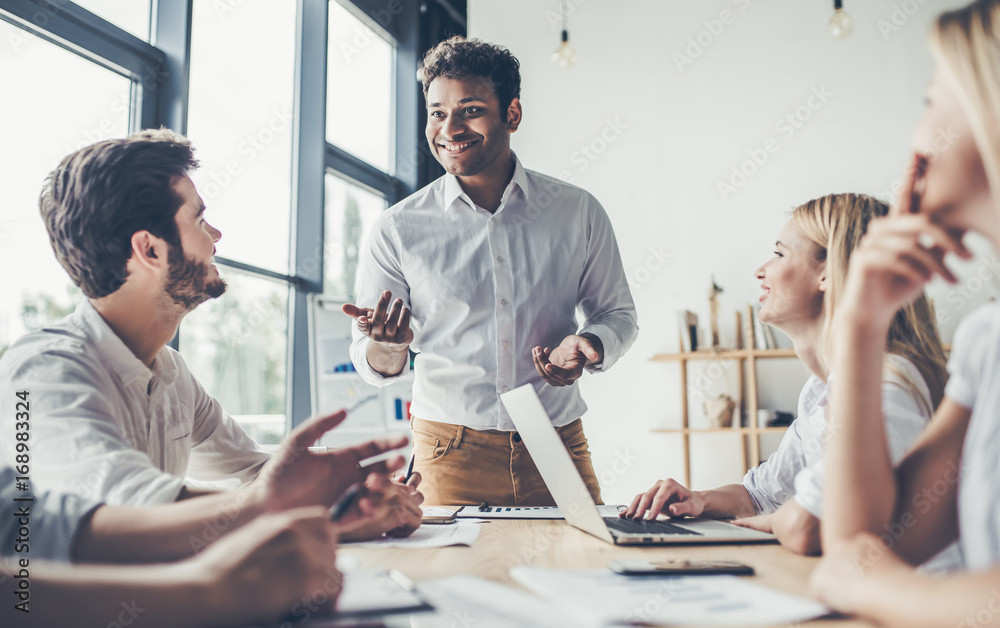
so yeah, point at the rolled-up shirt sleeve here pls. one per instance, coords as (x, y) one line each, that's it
(771, 483)
(76, 447)
(604, 296)
(220, 449)
(51, 521)
(378, 270)
(906, 414)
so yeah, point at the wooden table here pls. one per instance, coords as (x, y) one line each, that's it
(503, 544)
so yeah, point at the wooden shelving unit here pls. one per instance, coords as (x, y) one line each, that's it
(747, 367)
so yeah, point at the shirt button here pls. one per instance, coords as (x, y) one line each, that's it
(499, 259)
(506, 346)
(503, 301)
(505, 389)
(493, 219)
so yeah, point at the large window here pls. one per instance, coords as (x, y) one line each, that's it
(351, 211)
(237, 346)
(304, 115)
(131, 15)
(360, 135)
(240, 120)
(77, 103)
(359, 111)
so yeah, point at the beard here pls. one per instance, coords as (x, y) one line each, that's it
(186, 281)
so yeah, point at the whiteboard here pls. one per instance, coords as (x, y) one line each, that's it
(373, 411)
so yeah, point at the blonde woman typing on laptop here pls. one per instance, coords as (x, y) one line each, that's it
(802, 286)
(884, 518)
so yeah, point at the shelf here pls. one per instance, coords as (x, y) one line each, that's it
(721, 430)
(724, 354)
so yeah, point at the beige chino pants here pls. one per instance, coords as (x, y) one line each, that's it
(460, 465)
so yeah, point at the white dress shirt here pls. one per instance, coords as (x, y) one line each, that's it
(975, 383)
(105, 427)
(796, 468)
(484, 289)
(52, 520)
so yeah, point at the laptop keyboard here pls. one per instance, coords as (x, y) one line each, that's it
(641, 526)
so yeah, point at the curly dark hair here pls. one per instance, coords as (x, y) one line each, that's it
(99, 196)
(458, 57)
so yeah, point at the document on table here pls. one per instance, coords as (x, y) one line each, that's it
(600, 597)
(473, 601)
(368, 592)
(527, 512)
(429, 536)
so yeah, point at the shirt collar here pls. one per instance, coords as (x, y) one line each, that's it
(117, 356)
(453, 189)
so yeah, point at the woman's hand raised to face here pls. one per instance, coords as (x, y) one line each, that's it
(899, 255)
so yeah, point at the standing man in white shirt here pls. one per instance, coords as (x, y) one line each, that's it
(115, 414)
(482, 271)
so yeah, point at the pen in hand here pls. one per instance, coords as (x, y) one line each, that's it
(409, 468)
(346, 502)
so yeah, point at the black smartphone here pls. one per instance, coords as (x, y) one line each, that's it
(679, 567)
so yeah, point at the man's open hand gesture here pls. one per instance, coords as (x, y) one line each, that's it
(564, 365)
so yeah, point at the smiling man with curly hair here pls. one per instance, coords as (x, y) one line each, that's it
(482, 273)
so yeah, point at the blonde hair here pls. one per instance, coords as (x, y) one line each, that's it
(835, 225)
(966, 43)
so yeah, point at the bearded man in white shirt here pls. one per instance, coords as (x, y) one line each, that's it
(113, 415)
(482, 272)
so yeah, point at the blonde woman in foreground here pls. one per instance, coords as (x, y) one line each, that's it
(882, 520)
(802, 287)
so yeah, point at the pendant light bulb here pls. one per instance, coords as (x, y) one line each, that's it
(564, 56)
(841, 24)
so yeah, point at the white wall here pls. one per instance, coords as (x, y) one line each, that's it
(663, 136)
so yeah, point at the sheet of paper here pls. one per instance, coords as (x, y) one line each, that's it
(429, 536)
(439, 511)
(472, 601)
(597, 597)
(528, 512)
(369, 592)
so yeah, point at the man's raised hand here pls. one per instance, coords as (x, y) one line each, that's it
(386, 325)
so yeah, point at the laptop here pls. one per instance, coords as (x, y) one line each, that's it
(578, 507)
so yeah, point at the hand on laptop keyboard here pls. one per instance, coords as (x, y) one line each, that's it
(667, 497)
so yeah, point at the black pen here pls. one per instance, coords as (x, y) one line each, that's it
(409, 467)
(345, 503)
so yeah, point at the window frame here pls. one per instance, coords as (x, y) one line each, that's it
(311, 148)
(160, 75)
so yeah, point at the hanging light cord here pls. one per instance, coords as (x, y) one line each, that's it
(565, 31)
